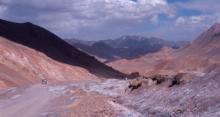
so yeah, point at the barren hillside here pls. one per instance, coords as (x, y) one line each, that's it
(42, 40)
(202, 55)
(20, 65)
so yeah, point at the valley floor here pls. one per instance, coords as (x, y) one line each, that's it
(65, 100)
(199, 97)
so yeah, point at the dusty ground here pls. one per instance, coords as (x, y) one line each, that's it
(65, 100)
(28, 103)
(197, 97)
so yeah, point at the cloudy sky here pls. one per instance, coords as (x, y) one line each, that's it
(103, 19)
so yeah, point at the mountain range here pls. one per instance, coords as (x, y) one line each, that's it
(202, 55)
(125, 47)
(40, 39)
(166, 82)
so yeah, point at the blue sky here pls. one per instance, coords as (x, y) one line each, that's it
(104, 19)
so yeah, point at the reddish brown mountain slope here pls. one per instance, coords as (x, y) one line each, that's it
(144, 64)
(202, 55)
(20, 65)
(46, 42)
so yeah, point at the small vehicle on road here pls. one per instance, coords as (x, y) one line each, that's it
(44, 81)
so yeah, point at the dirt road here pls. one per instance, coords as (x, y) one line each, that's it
(85, 99)
(31, 103)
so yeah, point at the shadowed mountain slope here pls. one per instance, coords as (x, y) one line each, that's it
(46, 42)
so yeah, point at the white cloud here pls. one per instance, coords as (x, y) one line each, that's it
(110, 18)
(155, 19)
(198, 20)
(179, 21)
(207, 6)
(191, 20)
(69, 17)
